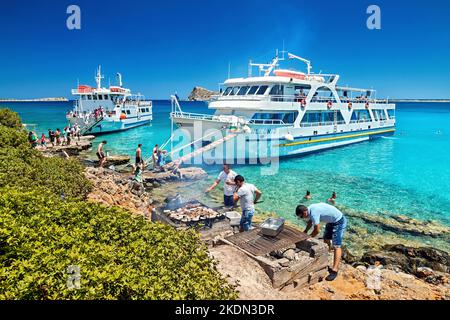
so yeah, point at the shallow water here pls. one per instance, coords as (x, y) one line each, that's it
(407, 174)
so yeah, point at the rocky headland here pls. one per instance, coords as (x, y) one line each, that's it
(201, 94)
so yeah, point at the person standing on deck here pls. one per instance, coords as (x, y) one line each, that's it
(227, 176)
(336, 224)
(100, 154)
(155, 155)
(249, 195)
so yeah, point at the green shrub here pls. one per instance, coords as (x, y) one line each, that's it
(119, 256)
(10, 119)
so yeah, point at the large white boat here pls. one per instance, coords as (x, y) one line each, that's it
(104, 110)
(294, 113)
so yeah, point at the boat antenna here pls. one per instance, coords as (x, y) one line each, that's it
(119, 79)
(99, 77)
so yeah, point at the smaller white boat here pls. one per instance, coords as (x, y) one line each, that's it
(104, 110)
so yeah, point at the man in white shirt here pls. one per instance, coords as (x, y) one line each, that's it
(227, 177)
(248, 194)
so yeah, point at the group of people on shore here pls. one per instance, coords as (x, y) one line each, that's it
(236, 189)
(158, 159)
(55, 137)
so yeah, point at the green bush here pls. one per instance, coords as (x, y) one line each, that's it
(10, 119)
(119, 256)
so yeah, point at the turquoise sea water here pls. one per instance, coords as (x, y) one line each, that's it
(407, 174)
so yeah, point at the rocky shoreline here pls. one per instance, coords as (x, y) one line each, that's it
(421, 272)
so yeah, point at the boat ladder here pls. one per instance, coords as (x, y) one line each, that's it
(90, 125)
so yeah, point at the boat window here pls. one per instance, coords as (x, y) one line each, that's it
(324, 117)
(100, 97)
(227, 91)
(391, 113)
(379, 114)
(277, 90)
(252, 90)
(243, 91)
(83, 97)
(234, 91)
(290, 117)
(360, 115)
(262, 90)
(323, 94)
(105, 97)
(265, 117)
(89, 97)
(128, 111)
(301, 91)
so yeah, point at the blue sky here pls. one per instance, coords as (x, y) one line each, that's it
(165, 46)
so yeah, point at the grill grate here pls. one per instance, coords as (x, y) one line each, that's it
(258, 244)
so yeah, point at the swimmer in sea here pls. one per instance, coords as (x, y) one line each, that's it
(307, 195)
(332, 200)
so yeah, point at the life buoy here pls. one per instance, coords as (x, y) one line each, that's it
(329, 104)
(350, 105)
(123, 116)
(367, 105)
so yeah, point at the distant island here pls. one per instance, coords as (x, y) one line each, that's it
(33, 100)
(201, 94)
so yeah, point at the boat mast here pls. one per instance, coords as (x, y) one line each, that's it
(99, 77)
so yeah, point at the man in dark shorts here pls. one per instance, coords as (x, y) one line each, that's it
(139, 154)
(336, 224)
(51, 136)
(100, 154)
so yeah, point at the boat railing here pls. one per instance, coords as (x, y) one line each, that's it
(195, 116)
(321, 124)
(239, 97)
(141, 103)
(295, 98)
(360, 121)
(355, 100)
(268, 122)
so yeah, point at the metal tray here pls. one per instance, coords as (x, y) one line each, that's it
(272, 226)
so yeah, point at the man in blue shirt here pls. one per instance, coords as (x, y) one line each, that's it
(334, 229)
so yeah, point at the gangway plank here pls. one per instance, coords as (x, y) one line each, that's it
(89, 126)
(201, 150)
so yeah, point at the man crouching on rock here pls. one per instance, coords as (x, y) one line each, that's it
(334, 229)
